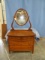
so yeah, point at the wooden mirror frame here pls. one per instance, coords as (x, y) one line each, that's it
(24, 14)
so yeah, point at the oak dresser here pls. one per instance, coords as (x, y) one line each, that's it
(21, 40)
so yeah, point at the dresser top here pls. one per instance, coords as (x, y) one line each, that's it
(21, 33)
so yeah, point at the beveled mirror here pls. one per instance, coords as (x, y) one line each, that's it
(21, 17)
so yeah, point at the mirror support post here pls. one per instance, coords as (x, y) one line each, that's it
(12, 24)
(30, 25)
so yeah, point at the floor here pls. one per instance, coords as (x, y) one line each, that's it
(39, 52)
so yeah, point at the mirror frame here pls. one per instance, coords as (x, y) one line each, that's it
(27, 18)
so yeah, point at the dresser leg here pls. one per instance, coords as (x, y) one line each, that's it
(32, 51)
(9, 51)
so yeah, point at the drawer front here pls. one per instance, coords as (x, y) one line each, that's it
(21, 41)
(20, 48)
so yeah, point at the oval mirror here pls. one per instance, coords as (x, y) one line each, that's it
(21, 17)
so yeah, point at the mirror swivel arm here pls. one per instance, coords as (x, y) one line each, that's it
(12, 25)
(30, 25)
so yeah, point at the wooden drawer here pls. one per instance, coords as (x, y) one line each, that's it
(20, 48)
(20, 43)
(21, 38)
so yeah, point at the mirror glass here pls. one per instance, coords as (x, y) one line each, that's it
(21, 17)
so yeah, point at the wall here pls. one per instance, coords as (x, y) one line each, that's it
(35, 9)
